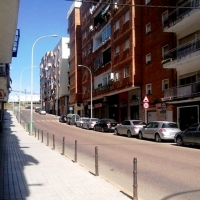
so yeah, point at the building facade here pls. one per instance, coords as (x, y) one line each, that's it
(135, 52)
(9, 39)
(183, 55)
(54, 79)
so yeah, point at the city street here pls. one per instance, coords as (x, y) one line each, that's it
(165, 171)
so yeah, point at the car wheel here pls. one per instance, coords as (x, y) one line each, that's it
(157, 138)
(102, 130)
(116, 132)
(129, 134)
(140, 136)
(179, 141)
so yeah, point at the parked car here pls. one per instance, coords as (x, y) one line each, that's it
(89, 123)
(62, 119)
(42, 112)
(72, 118)
(79, 122)
(129, 127)
(37, 109)
(190, 136)
(159, 130)
(104, 125)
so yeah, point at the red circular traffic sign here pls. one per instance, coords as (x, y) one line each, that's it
(145, 105)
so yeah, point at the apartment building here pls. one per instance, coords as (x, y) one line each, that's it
(75, 72)
(136, 51)
(54, 79)
(183, 55)
(9, 39)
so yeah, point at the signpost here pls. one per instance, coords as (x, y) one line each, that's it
(145, 106)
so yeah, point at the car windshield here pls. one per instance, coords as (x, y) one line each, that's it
(138, 123)
(170, 125)
(110, 120)
(94, 119)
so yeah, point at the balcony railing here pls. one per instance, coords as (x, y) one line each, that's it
(102, 88)
(178, 14)
(184, 91)
(182, 51)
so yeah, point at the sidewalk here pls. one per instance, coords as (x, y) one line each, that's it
(31, 170)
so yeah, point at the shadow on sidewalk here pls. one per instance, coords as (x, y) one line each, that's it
(13, 184)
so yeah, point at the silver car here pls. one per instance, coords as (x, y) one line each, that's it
(79, 122)
(129, 127)
(89, 123)
(159, 130)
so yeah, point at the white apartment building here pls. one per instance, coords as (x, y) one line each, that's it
(54, 79)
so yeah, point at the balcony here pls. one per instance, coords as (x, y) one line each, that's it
(185, 91)
(184, 56)
(181, 18)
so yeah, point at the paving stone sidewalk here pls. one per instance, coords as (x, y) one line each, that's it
(31, 170)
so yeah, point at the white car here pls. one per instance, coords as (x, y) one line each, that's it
(79, 122)
(89, 123)
(42, 112)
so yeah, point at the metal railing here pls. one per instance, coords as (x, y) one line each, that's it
(178, 14)
(182, 51)
(182, 91)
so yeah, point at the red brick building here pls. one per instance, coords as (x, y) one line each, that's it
(132, 53)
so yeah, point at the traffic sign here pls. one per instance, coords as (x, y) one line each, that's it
(145, 99)
(145, 105)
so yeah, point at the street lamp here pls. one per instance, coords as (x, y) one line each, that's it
(32, 77)
(21, 88)
(90, 88)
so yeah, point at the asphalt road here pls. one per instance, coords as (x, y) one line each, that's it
(165, 171)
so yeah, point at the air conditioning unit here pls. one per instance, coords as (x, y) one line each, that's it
(112, 76)
(91, 28)
(115, 6)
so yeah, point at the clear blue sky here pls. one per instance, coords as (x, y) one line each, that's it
(37, 18)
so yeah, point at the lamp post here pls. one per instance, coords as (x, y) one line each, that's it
(21, 88)
(90, 88)
(31, 121)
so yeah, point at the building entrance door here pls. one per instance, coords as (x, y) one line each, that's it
(187, 116)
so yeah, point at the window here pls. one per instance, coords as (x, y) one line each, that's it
(165, 50)
(127, 44)
(84, 53)
(84, 35)
(148, 28)
(148, 59)
(126, 72)
(165, 84)
(104, 81)
(147, 1)
(117, 51)
(106, 33)
(148, 89)
(164, 17)
(84, 89)
(126, 16)
(116, 76)
(117, 25)
(89, 49)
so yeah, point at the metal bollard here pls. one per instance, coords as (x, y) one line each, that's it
(47, 139)
(75, 154)
(42, 137)
(53, 142)
(38, 134)
(35, 132)
(63, 149)
(135, 186)
(96, 162)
